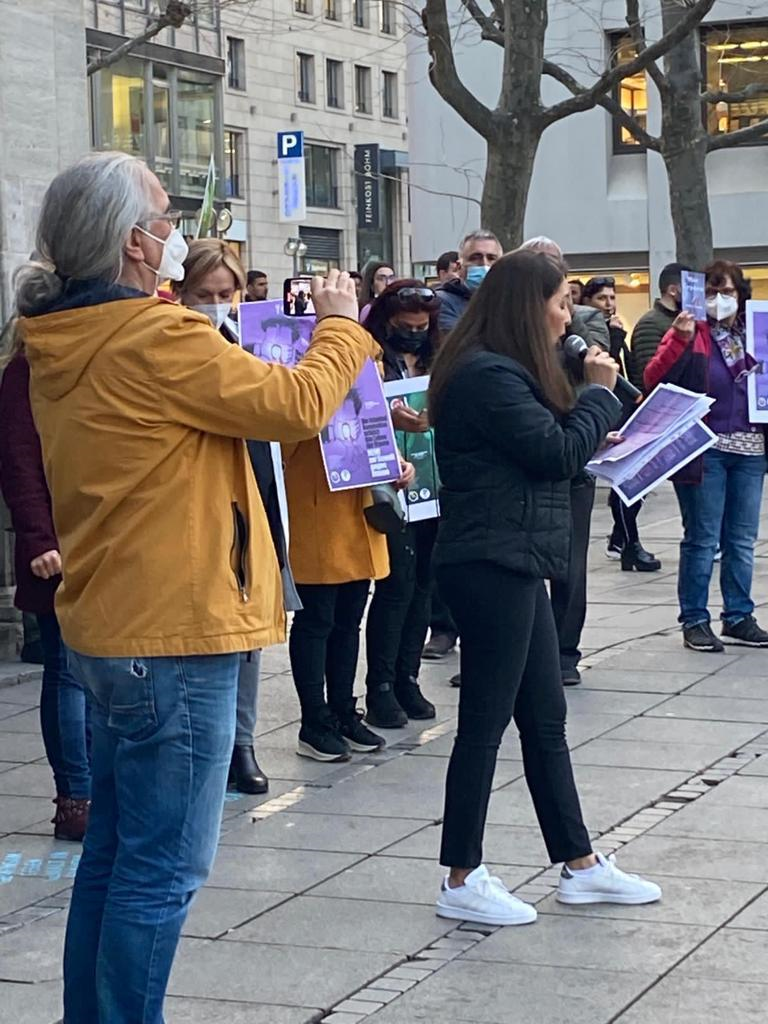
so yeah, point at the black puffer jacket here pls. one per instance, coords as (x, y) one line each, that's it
(506, 463)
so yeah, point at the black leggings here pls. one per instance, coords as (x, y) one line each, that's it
(624, 520)
(510, 665)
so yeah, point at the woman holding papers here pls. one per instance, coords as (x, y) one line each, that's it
(510, 437)
(720, 494)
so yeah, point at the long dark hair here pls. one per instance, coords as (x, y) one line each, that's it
(370, 270)
(507, 315)
(390, 303)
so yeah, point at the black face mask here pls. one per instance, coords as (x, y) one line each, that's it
(404, 341)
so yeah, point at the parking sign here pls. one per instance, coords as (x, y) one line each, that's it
(292, 188)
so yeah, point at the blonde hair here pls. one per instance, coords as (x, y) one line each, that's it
(205, 256)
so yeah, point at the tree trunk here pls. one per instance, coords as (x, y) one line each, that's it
(508, 173)
(684, 145)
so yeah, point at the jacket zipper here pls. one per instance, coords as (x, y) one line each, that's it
(241, 549)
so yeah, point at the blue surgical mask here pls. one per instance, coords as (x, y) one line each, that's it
(475, 277)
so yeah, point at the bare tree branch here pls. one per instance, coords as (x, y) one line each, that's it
(753, 89)
(607, 102)
(638, 37)
(589, 97)
(490, 28)
(729, 139)
(443, 73)
(174, 16)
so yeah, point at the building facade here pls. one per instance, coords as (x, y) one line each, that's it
(604, 198)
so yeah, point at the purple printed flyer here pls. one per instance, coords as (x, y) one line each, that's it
(270, 335)
(757, 346)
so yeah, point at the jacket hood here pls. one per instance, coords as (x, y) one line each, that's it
(60, 345)
(456, 287)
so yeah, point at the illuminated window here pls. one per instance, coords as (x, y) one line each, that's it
(121, 108)
(736, 57)
(631, 93)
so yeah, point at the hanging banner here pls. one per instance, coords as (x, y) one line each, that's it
(367, 170)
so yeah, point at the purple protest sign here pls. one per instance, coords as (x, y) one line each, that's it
(757, 346)
(270, 335)
(358, 445)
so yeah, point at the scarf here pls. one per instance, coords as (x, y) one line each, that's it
(730, 341)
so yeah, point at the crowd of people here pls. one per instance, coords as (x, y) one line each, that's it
(171, 510)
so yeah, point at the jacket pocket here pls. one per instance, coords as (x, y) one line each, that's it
(239, 553)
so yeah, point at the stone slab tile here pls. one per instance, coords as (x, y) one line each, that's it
(24, 722)
(740, 791)
(717, 821)
(728, 735)
(219, 1011)
(465, 992)
(6, 709)
(35, 953)
(746, 663)
(31, 1004)
(733, 954)
(583, 700)
(268, 870)
(287, 765)
(715, 709)
(28, 780)
(680, 1000)
(283, 975)
(696, 858)
(688, 757)
(237, 804)
(639, 661)
(217, 911)
(625, 680)
(502, 844)
(21, 747)
(581, 941)
(739, 687)
(325, 923)
(442, 747)
(758, 767)
(753, 916)
(342, 833)
(401, 880)
(17, 812)
(26, 694)
(682, 902)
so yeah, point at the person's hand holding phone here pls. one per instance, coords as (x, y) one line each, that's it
(599, 368)
(409, 420)
(334, 295)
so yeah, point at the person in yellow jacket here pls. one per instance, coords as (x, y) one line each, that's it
(169, 571)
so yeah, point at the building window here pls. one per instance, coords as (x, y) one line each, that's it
(332, 10)
(235, 63)
(302, 6)
(361, 14)
(334, 84)
(234, 184)
(389, 94)
(306, 76)
(387, 10)
(363, 99)
(630, 93)
(323, 250)
(322, 174)
(121, 108)
(735, 57)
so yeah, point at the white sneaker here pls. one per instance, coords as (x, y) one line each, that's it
(484, 900)
(605, 883)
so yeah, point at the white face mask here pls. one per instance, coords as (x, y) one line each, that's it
(175, 251)
(217, 312)
(722, 307)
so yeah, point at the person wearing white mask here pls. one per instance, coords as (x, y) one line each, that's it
(213, 276)
(721, 492)
(169, 567)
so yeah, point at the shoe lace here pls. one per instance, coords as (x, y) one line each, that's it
(615, 869)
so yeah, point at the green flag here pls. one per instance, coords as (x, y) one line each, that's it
(207, 211)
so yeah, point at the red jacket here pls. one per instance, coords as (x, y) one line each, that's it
(680, 361)
(25, 490)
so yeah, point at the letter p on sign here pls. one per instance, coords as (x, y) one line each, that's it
(290, 145)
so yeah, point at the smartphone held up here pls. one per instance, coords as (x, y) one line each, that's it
(297, 298)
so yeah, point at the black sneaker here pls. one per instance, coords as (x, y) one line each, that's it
(745, 633)
(413, 702)
(383, 710)
(440, 646)
(358, 737)
(701, 638)
(570, 676)
(320, 738)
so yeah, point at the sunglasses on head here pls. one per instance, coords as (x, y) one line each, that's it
(415, 293)
(602, 282)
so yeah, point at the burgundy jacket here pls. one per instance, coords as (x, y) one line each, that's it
(24, 488)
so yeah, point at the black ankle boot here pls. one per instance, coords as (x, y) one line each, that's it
(244, 772)
(634, 556)
(412, 700)
(383, 709)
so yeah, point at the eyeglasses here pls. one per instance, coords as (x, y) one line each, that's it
(415, 293)
(712, 291)
(174, 217)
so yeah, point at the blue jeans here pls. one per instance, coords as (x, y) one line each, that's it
(163, 730)
(64, 718)
(247, 697)
(723, 509)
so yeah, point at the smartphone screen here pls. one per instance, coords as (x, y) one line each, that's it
(297, 300)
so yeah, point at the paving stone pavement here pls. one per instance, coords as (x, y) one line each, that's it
(319, 907)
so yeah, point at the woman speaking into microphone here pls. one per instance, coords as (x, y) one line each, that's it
(510, 436)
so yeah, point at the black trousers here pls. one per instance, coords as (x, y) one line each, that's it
(398, 618)
(509, 667)
(624, 520)
(441, 620)
(325, 644)
(569, 596)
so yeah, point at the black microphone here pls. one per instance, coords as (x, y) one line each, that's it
(577, 348)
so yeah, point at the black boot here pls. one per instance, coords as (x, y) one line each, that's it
(383, 709)
(412, 700)
(244, 772)
(634, 556)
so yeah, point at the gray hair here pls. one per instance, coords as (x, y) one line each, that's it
(542, 244)
(87, 214)
(481, 235)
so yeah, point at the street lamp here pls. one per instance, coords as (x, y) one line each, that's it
(296, 249)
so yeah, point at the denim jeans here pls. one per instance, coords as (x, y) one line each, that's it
(247, 697)
(64, 716)
(723, 509)
(163, 731)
